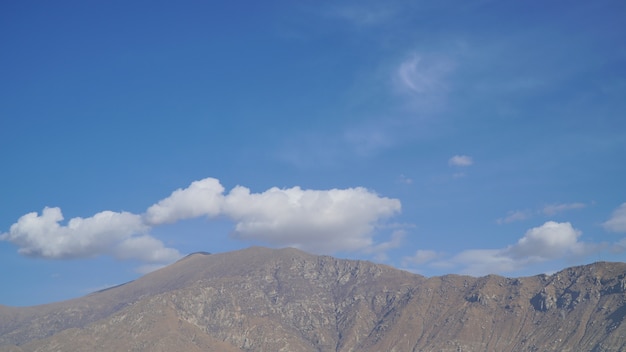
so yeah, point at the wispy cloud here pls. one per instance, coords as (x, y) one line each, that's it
(512, 216)
(461, 161)
(369, 139)
(420, 257)
(417, 89)
(553, 209)
(380, 249)
(364, 16)
(617, 222)
(423, 75)
(546, 210)
(404, 179)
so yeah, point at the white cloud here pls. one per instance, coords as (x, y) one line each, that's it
(418, 75)
(512, 216)
(318, 221)
(146, 249)
(480, 262)
(421, 256)
(617, 222)
(106, 232)
(422, 81)
(460, 160)
(550, 241)
(553, 209)
(201, 198)
(315, 220)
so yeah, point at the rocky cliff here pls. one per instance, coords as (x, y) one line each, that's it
(262, 299)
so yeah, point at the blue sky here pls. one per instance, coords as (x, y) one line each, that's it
(437, 137)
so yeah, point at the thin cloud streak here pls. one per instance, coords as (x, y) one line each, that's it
(553, 209)
(513, 216)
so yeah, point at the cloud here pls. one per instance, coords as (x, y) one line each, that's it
(547, 210)
(422, 82)
(512, 216)
(553, 209)
(106, 232)
(550, 241)
(619, 246)
(369, 139)
(201, 198)
(405, 180)
(479, 262)
(460, 160)
(146, 249)
(323, 221)
(364, 16)
(617, 222)
(421, 256)
(418, 75)
(380, 249)
(318, 221)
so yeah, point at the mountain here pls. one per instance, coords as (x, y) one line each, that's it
(261, 299)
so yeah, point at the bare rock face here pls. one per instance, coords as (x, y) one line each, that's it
(261, 299)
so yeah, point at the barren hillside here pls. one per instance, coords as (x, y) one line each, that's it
(262, 299)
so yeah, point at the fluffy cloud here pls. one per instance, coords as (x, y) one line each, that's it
(201, 198)
(146, 249)
(552, 240)
(617, 222)
(106, 232)
(318, 221)
(549, 241)
(315, 220)
(460, 160)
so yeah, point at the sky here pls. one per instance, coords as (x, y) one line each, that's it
(466, 137)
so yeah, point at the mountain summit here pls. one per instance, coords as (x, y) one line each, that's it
(261, 299)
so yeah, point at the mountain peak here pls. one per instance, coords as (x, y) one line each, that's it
(285, 299)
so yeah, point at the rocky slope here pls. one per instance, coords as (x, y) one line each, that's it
(262, 299)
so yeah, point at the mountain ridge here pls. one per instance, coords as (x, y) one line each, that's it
(261, 299)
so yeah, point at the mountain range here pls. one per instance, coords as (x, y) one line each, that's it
(261, 299)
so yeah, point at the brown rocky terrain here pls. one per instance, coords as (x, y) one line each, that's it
(262, 299)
